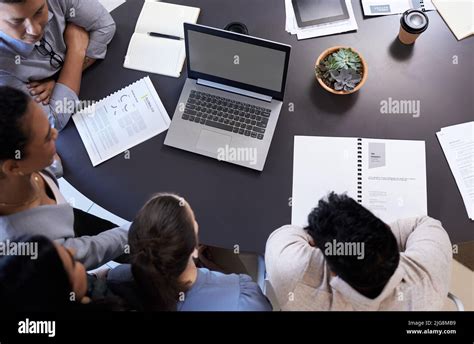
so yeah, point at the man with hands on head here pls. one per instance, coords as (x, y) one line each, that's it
(348, 259)
(45, 45)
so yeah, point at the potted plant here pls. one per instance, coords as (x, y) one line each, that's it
(341, 70)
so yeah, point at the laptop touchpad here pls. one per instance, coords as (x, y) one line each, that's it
(211, 141)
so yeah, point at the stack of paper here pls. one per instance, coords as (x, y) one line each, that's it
(121, 121)
(389, 7)
(458, 145)
(458, 15)
(318, 30)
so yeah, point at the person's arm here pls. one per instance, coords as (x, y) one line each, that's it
(94, 18)
(287, 255)
(424, 241)
(65, 94)
(77, 40)
(42, 90)
(94, 251)
(251, 297)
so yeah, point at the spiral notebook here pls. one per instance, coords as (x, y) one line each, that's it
(386, 176)
(121, 121)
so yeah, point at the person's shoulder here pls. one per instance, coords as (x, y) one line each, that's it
(246, 294)
(223, 280)
(251, 297)
(288, 254)
(216, 278)
(51, 173)
(58, 5)
(427, 254)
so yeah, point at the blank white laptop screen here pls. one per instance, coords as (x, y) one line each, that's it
(237, 61)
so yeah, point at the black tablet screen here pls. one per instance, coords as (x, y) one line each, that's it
(313, 12)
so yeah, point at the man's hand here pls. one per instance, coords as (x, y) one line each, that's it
(76, 38)
(41, 90)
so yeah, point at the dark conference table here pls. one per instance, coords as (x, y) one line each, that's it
(238, 206)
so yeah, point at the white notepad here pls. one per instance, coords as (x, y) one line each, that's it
(457, 142)
(121, 121)
(386, 176)
(160, 55)
(458, 15)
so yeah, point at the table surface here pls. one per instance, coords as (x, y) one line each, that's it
(238, 206)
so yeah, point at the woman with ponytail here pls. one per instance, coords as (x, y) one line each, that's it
(163, 242)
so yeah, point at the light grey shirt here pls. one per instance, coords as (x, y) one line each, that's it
(21, 63)
(56, 222)
(302, 280)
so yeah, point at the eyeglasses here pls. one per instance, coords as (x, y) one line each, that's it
(46, 49)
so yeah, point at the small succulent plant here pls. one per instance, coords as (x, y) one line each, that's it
(345, 79)
(341, 70)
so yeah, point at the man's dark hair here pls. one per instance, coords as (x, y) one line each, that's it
(340, 219)
(13, 138)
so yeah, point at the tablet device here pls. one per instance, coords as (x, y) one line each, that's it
(315, 12)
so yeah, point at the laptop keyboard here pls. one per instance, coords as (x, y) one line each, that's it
(226, 114)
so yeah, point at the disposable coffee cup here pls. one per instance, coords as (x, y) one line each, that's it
(237, 27)
(412, 24)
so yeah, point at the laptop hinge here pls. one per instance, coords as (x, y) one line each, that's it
(234, 90)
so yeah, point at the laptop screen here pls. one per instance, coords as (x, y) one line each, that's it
(238, 60)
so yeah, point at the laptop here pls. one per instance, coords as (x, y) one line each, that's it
(232, 98)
